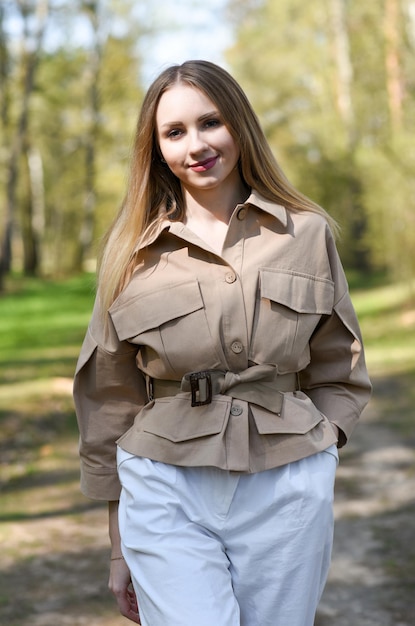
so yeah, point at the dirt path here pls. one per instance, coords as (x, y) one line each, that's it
(372, 578)
(53, 569)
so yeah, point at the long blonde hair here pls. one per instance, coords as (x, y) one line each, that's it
(152, 185)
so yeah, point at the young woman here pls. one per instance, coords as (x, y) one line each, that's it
(222, 368)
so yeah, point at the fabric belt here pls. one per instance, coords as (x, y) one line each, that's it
(259, 384)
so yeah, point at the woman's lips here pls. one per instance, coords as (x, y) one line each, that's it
(203, 166)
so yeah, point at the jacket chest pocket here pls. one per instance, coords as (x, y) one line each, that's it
(171, 328)
(288, 308)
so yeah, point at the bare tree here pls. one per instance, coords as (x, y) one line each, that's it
(33, 31)
(343, 64)
(394, 82)
(33, 219)
(92, 9)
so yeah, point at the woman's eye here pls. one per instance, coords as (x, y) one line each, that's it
(212, 123)
(175, 132)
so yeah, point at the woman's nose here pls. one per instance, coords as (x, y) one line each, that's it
(197, 142)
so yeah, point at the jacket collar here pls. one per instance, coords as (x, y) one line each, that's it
(276, 210)
(255, 199)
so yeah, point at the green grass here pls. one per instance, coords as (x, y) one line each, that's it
(387, 318)
(42, 325)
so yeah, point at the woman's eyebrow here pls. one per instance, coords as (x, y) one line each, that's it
(169, 124)
(213, 113)
(207, 115)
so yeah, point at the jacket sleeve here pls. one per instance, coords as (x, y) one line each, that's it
(336, 378)
(109, 391)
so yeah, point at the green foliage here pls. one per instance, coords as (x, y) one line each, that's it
(61, 126)
(333, 84)
(82, 111)
(388, 194)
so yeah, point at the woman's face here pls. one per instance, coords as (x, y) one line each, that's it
(194, 141)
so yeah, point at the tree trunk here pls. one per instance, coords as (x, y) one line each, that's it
(34, 222)
(4, 74)
(394, 82)
(30, 60)
(343, 64)
(86, 234)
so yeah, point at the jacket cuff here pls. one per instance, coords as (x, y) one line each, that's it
(100, 483)
(342, 412)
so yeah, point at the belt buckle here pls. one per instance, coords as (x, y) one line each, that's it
(201, 388)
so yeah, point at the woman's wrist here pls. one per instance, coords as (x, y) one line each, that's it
(114, 533)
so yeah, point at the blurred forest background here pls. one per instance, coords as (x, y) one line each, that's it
(333, 82)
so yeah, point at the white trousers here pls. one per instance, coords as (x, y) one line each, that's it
(207, 547)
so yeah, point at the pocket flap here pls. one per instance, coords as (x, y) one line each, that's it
(298, 416)
(153, 308)
(174, 419)
(301, 292)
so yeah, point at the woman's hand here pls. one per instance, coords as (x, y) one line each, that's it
(120, 585)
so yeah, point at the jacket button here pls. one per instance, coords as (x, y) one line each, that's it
(236, 410)
(237, 347)
(230, 277)
(241, 215)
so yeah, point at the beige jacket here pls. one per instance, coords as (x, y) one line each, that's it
(276, 298)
